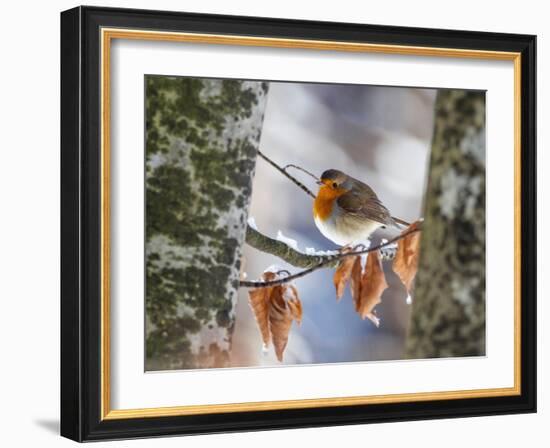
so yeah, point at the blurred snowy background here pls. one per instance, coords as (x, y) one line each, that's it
(379, 135)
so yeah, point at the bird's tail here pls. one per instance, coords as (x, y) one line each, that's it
(401, 222)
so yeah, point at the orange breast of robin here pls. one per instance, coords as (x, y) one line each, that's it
(324, 201)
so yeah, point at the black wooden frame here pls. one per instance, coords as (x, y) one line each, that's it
(80, 224)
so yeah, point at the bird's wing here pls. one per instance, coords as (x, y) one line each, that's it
(364, 203)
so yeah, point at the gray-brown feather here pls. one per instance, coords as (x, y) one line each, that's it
(362, 202)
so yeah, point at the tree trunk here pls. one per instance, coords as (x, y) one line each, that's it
(201, 142)
(448, 315)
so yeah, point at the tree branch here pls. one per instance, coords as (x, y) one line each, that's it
(283, 171)
(278, 248)
(326, 261)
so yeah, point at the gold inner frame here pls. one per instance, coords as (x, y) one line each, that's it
(107, 35)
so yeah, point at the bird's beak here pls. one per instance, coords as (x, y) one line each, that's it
(320, 182)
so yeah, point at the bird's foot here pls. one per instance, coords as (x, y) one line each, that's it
(352, 248)
(345, 249)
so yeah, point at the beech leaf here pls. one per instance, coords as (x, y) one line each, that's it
(342, 275)
(373, 284)
(294, 303)
(355, 282)
(274, 309)
(259, 300)
(405, 263)
(280, 320)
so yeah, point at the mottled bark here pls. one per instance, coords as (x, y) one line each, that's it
(448, 315)
(202, 137)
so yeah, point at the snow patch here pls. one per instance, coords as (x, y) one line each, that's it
(288, 241)
(273, 269)
(288, 294)
(375, 320)
(320, 253)
(252, 223)
(364, 260)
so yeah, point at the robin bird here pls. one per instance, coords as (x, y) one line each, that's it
(347, 210)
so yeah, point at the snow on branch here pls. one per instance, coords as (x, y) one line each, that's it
(299, 259)
(281, 249)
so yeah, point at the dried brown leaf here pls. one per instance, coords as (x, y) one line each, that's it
(294, 303)
(342, 275)
(275, 308)
(405, 263)
(373, 284)
(355, 282)
(280, 320)
(259, 300)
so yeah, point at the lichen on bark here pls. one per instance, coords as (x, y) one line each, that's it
(202, 136)
(448, 315)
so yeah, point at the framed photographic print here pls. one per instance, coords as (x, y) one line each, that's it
(274, 224)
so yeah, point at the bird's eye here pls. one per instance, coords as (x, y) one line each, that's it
(334, 185)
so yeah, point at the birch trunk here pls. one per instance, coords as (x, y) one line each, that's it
(448, 315)
(201, 141)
